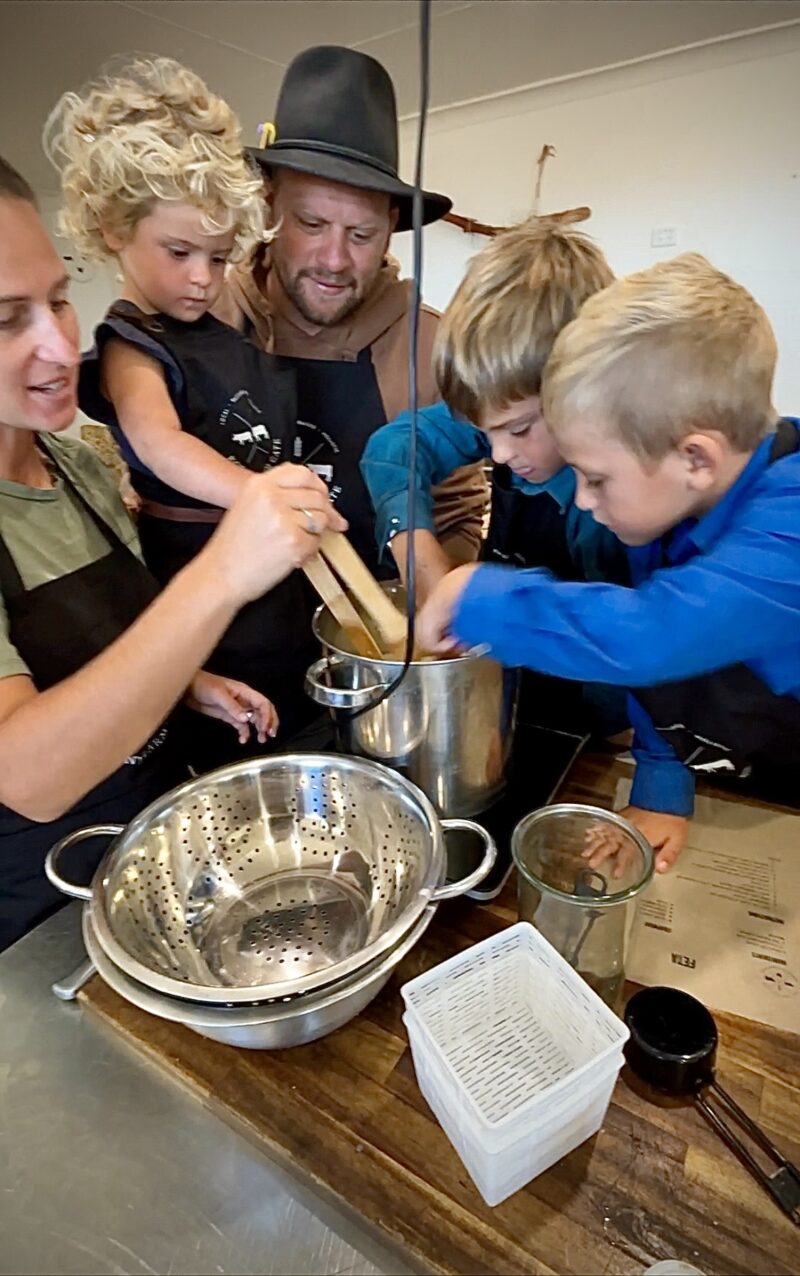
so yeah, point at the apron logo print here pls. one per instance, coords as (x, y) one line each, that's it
(316, 449)
(243, 418)
(155, 742)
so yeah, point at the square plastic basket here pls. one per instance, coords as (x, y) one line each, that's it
(514, 1053)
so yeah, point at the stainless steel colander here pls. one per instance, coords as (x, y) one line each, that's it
(268, 878)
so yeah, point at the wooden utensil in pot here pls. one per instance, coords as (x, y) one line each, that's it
(382, 616)
(331, 591)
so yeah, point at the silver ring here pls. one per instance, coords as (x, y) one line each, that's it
(311, 523)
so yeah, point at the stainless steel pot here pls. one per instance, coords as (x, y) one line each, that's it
(449, 726)
(294, 1022)
(270, 878)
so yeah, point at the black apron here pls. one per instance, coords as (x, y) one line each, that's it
(531, 531)
(238, 401)
(729, 725)
(338, 407)
(57, 628)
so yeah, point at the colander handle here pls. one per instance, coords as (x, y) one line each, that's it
(477, 875)
(339, 697)
(54, 854)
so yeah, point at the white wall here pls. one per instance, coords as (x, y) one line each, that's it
(704, 141)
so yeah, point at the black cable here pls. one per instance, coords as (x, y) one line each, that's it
(417, 208)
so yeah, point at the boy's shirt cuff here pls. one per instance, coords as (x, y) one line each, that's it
(392, 517)
(481, 612)
(663, 785)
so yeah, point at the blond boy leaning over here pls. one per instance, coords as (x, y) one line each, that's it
(659, 396)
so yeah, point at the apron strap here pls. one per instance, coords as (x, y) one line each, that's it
(150, 324)
(11, 584)
(106, 530)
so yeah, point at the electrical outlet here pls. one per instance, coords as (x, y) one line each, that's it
(663, 237)
(79, 269)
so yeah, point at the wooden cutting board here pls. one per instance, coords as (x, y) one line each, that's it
(346, 1114)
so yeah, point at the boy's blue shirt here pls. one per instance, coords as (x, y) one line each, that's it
(444, 444)
(716, 591)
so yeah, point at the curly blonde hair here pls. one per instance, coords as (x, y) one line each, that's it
(150, 130)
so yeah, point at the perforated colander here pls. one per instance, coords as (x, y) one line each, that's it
(267, 878)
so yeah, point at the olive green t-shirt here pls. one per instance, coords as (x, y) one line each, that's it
(49, 533)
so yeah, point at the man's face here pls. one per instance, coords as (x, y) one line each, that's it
(330, 245)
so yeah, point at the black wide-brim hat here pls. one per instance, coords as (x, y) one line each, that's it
(336, 118)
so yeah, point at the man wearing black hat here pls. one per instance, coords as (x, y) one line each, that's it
(325, 298)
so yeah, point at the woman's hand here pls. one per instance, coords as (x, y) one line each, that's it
(273, 527)
(235, 703)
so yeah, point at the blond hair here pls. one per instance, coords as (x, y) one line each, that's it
(675, 348)
(150, 131)
(518, 293)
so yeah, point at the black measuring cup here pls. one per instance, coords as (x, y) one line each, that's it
(673, 1047)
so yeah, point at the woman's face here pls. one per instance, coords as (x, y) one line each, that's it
(39, 354)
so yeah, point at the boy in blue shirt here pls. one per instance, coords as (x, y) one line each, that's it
(493, 342)
(659, 396)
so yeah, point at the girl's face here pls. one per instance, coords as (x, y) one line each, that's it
(39, 354)
(170, 265)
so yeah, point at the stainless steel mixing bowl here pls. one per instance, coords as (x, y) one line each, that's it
(293, 1022)
(269, 878)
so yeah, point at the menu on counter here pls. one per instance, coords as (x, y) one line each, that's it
(724, 923)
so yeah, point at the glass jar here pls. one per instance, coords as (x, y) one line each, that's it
(579, 869)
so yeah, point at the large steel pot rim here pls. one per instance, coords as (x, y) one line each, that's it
(431, 891)
(458, 656)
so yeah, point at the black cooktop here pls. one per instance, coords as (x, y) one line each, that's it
(542, 756)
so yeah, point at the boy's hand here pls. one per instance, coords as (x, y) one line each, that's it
(435, 618)
(235, 703)
(666, 833)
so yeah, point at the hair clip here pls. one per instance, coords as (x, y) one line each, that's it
(266, 135)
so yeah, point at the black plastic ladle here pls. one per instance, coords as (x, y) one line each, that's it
(673, 1048)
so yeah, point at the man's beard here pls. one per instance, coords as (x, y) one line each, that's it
(323, 318)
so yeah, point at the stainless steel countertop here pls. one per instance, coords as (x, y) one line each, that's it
(107, 1166)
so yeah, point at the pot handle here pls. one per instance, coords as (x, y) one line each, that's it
(54, 854)
(339, 697)
(452, 889)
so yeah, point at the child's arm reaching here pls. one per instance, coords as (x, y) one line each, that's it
(662, 796)
(444, 444)
(135, 384)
